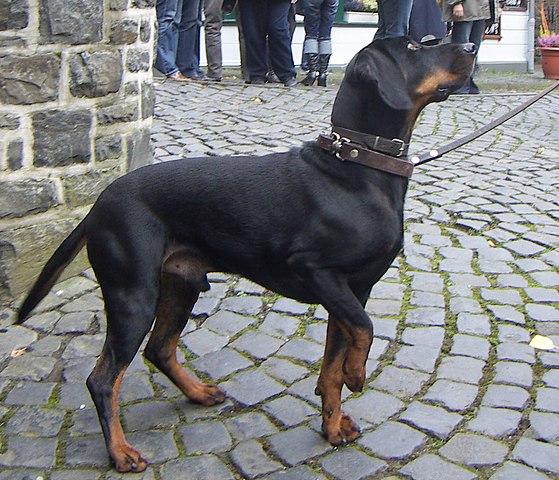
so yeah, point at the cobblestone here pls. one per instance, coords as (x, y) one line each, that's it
(453, 390)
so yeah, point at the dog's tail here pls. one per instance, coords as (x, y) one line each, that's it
(61, 258)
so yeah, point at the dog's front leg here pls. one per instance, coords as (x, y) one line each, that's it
(349, 339)
(337, 426)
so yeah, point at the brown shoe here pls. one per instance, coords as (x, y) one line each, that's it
(179, 77)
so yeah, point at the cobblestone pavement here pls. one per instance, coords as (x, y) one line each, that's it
(454, 391)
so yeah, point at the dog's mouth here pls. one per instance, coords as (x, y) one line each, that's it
(444, 90)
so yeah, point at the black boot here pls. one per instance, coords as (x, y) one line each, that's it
(312, 75)
(323, 61)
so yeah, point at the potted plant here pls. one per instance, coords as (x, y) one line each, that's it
(361, 11)
(549, 47)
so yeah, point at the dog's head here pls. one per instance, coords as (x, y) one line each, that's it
(398, 77)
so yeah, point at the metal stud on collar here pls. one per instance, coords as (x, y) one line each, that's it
(337, 145)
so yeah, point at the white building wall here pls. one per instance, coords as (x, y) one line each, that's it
(509, 52)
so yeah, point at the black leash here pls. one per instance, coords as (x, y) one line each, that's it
(440, 151)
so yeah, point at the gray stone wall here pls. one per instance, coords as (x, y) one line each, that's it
(76, 104)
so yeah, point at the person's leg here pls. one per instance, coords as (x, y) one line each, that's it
(327, 14)
(167, 37)
(310, 46)
(242, 47)
(476, 37)
(461, 32)
(380, 26)
(279, 41)
(189, 30)
(212, 32)
(253, 18)
(394, 18)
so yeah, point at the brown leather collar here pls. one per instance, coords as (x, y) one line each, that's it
(395, 147)
(347, 147)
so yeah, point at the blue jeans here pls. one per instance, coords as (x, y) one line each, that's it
(188, 48)
(464, 32)
(319, 19)
(167, 36)
(393, 18)
(261, 20)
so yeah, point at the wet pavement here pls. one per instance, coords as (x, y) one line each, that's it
(454, 391)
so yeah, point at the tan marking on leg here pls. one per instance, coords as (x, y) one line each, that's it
(175, 306)
(125, 457)
(359, 344)
(337, 426)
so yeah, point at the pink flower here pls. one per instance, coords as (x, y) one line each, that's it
(550, 40)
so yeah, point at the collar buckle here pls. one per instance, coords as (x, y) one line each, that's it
(402, 148)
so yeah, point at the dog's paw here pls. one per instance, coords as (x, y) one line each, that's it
(128, 459)
(208, 395)
(344, 430)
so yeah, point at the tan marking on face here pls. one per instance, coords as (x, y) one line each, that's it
(432, 82)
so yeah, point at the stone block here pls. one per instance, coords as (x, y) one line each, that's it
(84, 189)
(393, 441)
(34, 244)
(536, 454)
(29, 452)
(199, 467)
(138, 60)
(205, 437)
(140, 152)
(145, 30)
(111, 113)
(474, 450)
(250, 425)
(73, 22)
(434, 420)
(290, 411)
(9, 121)
(251, 459)
(15, 155)
(14, 14)
(351, 464)
(61, 137)
(118, 4)
(495, 422)
(431, 466)
(95, 74)
(297, 445)
(148, 99)
(108, 147)
(144, 3)
(25, 197)
(29, 80)
(124, 31)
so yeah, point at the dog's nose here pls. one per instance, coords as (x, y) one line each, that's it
(470, 48)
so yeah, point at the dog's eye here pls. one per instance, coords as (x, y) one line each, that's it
(413, 47)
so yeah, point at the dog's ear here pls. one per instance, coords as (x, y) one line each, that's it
(380, 66)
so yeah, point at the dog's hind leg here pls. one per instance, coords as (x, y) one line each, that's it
(129, 318)
(336, 426)
(175, 304)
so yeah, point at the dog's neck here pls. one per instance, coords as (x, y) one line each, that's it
(370, 115)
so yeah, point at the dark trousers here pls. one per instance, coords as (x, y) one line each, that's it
(261, 20)
(393, 18)
(464, 32)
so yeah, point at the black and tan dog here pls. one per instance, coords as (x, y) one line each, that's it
(303, 224)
